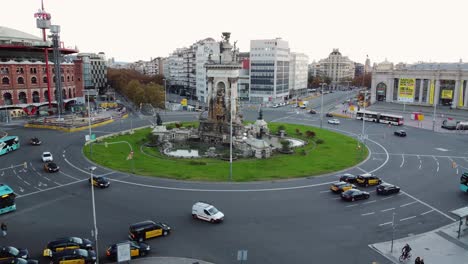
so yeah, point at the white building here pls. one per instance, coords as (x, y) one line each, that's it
(269, 70)
(421, 84)
(298, 67)
(204, 50)
(337, 67)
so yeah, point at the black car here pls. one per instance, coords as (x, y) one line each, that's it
(12, 252)
(347, 177)
(354, 194)
(51, 167)
(387, 188)
(99, 181)
(400, 133)
(312, 111)
(136, 250)
(329, 115)
(35, 141)
(74, 256)
(148, 229)
(19, 261)
(67, 243)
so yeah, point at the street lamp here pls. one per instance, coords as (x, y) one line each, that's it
(364, 115)
(165, 94)
(89, 126)
(321, 106)
(95, 231)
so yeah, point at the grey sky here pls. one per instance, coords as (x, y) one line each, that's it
(400, 30)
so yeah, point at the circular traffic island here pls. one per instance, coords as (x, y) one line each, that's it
(324, 152)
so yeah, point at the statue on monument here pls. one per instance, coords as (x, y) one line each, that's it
(158, 120)
(260, 115)
(226, 36)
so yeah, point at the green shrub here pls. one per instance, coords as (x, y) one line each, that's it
(319, 141)
(303, 152)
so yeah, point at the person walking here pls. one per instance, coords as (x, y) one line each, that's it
(417, 260)
(3, 227)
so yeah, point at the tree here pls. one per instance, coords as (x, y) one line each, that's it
(285, 145)
(310, 134)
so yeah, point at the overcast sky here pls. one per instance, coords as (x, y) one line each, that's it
(399, 30)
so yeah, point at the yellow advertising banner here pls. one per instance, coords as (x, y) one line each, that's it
(460, 97)
(183, 102)
(447, 94)
(406, 90)
(431, 92)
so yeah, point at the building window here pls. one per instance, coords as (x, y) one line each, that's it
(46, 96)
(32, 70)
(7, 99)
(395, 89)
(44, 79)
(5, 80)
(19, 70)
(20, 80)
(35, 96)
(54, 79)
(33, 80)
(68, 78)
(64, 94)
(62, 78)
(69, 93)
(4, 71)
(22, 98)
(72, 78)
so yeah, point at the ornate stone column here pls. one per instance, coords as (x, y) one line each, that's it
(233, 94)
(421, 87)
(436, 91)
(465, 103)
(456, 93)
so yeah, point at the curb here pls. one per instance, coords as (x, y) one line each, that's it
(68, 129)
(169, 260)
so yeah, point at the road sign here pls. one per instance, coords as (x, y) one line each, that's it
(242, 255)
(123, 252)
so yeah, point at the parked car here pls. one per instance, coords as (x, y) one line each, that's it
(47, 156)
(61, 244)
(354, 194)
(12, 252)
(387, 188)
(339, 187)
(329, 115)
(347, 177)
(400, 133)
(312, 111)
(136, 250)
(207, 212)
(51, 167)
(334, 121)
(367, 179)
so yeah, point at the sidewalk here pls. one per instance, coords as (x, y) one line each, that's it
(437, 246)
(168, 260)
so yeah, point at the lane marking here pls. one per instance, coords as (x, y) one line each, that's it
(407, 218)
(47, 178)
(430, 206)
(370, 202)
(48, 189)
(403, 160)
(327, 191)
(422, 155)
(361, 169)
(427, 212)
(337, 198)
(404, 205)
(27, 183)
(420, 162)
(57, 183)
(387, 198)
(68, 175)
(352, 205)
(436, 162)
(371, 213)
(385, 210)
(387, 223)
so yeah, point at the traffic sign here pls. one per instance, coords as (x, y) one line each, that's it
(123, 252)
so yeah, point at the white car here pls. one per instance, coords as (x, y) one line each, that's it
(334, 121)
(47, 156)
(207, 212)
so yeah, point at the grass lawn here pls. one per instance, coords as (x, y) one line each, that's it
(337, 152)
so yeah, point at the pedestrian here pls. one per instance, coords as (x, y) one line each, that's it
(417, 260)
(3, 227)
(421, 261)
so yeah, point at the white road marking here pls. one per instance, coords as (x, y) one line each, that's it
(27, 183)
(432, 207)
(352, 205)
(37, 188)
(420, 162)
(442, 149)
(48, 189)
(436, 162)
(370, 202)
(47, 178)
(387, 223)
(407, 218)
(371, 213)
(427, 212)
(68, 175)
(403, 160)
(21, 190)
(404, 205)
(385, 210)
(327, 191)
(361, 169)
(57, 183)
(387, 198)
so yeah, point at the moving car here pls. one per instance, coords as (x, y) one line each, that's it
(47, 156)
(207, 212)
(64, 243)
(347, 177)
(74, 256)
(100, 181)
(35, 141)
(136, 250)
(334, 121)
(387, 188)
(148, 229)
(367, 179)
(19, 261)
(400, 133)
(51, 167)
(354, 194)
(339, 187)
(312, 111)
(329, 115)
(12, 252)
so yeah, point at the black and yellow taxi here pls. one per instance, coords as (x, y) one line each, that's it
(51, 167)
(339, 187)
(12, 252)
(66, 243)
(74, 256)
(148, 229)
(137, 249)
(19, 261)
(100, 181)
(367, 179)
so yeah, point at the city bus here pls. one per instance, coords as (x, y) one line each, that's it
(377, 117)
(7, 199)
(9, 143)
(464, 182)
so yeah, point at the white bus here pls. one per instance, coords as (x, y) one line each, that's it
(384, 118)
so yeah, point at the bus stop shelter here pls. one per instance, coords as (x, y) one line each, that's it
(462, 213)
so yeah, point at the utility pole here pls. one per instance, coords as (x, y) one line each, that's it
(364, 115)
(95, 231)
(321, 106)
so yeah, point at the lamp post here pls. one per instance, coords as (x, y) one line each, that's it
(321, 106)
(95, 231)
(364, 115)
(89, 126)
(165, 94)
(434, 116)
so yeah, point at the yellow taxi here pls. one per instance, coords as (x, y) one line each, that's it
(339, 187)
(367, 179)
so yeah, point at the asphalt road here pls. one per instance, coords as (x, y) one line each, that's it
(293, 221)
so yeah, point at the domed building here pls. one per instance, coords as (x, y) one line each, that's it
(24, 79)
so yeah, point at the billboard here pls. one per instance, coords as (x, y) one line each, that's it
(406, 90)
(183, 102)
(447, 94)
(431, 93)
(460, 97)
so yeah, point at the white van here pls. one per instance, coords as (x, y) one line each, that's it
(206, 212)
